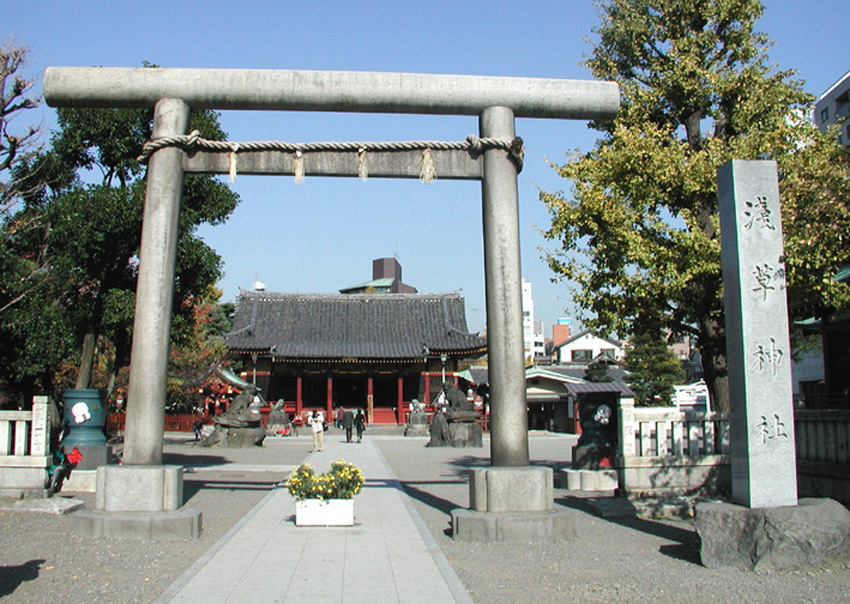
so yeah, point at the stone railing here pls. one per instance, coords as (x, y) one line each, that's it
(823, 453)
(24, 449)
(664, 451)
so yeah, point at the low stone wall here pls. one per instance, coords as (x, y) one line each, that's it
(672, 476)
(666, 452)
(24, 450)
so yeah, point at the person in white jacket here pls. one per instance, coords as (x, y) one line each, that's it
(317, 422)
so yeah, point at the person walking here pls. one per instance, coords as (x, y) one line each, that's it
(359, 421)
(197, 427)
(317, 423)
(347, 424)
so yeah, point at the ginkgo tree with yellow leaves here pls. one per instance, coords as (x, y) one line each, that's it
(637, 232)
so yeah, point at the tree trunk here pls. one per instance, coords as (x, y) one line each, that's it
(712, 347)
(84, 377)
(120, 358)
(110, 384)
(86, 361)
(718, 385)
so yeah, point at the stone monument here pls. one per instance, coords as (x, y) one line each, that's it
(764, 529)
(277, 418)
(464, 430)
(417, 425)
(439, 431)
(239, 426)
(277, 414)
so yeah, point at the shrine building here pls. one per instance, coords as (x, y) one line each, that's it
(376, 351)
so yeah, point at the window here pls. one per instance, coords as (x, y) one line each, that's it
(607, 352)
(582, 356)
(824, 114)
(841, 105)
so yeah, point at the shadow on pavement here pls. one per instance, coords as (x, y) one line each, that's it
(193, 484)
(12, 576)
(412, 488)
(381, 483)
(197, 459)
(686, 546)
(469, 462)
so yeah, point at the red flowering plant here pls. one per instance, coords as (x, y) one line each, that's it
(74, 457)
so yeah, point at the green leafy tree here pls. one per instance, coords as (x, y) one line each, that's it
(197, 356)
(597, 372)
(19, 274)
(94, 234)
(653, 368)
(639, 236)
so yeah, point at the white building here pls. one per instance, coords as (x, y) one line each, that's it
(532, 331)
(834, 106)
(691, 397)
(586, 346)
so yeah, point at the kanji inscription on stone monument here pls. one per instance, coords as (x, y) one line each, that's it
(757, 343)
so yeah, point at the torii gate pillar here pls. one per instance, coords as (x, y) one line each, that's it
(509, 500)
(502, 279)
(143, 435)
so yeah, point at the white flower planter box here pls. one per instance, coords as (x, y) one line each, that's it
(324, 512)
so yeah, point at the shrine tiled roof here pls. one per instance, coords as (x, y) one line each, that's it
(572, 373)
(578, 370)
(362, 326)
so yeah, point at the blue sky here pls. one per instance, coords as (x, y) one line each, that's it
(322, 235)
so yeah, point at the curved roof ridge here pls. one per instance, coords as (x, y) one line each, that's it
(352, 325)
(315, 295)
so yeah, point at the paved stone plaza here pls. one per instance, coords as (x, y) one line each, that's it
(611, 560)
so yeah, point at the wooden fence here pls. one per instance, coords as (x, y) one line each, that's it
(823, 453)
(181, 422)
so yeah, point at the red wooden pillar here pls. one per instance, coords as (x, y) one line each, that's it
(400, 418)
(427, 377)
(330, 410)
(370, 397)
(298, 401)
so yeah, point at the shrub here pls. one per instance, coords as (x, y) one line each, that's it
(342, 481)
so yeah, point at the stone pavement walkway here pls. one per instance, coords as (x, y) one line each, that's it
(387, 556)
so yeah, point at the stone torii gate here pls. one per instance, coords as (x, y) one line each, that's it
(504, 496)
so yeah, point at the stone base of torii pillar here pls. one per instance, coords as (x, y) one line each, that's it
(512, 504)
(140, 502)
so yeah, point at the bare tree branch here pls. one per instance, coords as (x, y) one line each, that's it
(16, 147)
